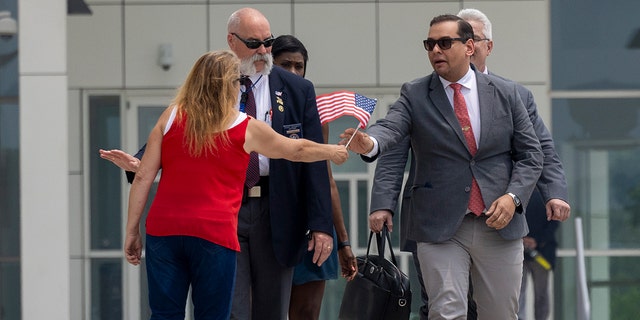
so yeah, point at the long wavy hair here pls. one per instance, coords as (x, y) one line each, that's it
(208, 98)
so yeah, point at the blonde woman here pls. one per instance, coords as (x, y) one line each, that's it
(202, 142)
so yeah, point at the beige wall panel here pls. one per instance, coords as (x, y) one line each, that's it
(92, 3)
(252, 3)
(155, 2)
(42, 48)
(334, 1)
(95, 48)
(184, 27)
(75, 131)
(521, 38)
(77, 293)
(403, 26)
(279, 16)
(76, 218)
(341, 39)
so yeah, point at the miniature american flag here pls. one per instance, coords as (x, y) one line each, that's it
(345, 103)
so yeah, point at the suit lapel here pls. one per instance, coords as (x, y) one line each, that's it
(486, 100)
(278, 100)
(439, 99)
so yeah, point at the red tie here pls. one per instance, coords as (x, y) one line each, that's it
(476, 204)
(253, 170)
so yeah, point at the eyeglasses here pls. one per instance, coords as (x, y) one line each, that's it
(478, 39)
(255, 44)
(443, 43)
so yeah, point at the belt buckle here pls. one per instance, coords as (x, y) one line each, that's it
(255, 192)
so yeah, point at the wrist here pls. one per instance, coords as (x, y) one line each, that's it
(516, 199)
(343, 244)
(516, 202)
(372, 144)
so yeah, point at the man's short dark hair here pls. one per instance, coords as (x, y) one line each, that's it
(465, 30)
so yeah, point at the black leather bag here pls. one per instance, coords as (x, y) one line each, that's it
(379, 290)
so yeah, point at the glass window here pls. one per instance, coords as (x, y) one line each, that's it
(599, 143)
(106, 205)
(613, 287)
(9, 209)
(147, 118)
(595, 45)
(9, 85)
(622, 286)
(10, 288)
(10, 296)
(598, 140)
(106, 289)
(105, 178)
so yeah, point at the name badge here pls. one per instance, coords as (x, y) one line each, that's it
(293, 131)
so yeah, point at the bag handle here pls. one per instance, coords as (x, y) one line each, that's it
(382, 238)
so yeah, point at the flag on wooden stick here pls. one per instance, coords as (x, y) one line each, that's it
(345, 103)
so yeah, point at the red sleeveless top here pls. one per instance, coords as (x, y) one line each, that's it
(200, 196)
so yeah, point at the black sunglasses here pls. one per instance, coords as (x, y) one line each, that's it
(255, 44)
(443, 43)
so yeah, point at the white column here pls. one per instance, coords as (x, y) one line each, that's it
(44, 186)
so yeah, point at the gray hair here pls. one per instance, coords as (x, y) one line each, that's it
(477, 15)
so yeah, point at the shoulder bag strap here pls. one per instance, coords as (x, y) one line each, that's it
(382, 238)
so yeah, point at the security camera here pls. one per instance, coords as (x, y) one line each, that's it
(8, 25)
(165, 56)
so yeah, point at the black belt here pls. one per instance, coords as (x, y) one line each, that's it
(261, 189)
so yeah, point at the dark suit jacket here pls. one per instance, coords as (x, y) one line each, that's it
(509, 158)
(542, 230)
(299, 194)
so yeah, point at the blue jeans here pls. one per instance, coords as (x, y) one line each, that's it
(176, 262)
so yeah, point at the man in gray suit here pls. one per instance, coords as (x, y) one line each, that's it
(495, 152)
(552, 183)
(390, 165)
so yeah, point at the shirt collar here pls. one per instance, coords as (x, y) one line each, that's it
(467, 81)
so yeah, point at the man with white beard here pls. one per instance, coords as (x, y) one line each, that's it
(289, 198)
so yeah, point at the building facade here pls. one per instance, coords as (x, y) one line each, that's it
(73, 83)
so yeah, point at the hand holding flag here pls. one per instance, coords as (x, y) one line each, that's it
(359, 141)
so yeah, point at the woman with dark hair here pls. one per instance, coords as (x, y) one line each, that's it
(308, 278)
(289, 53)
